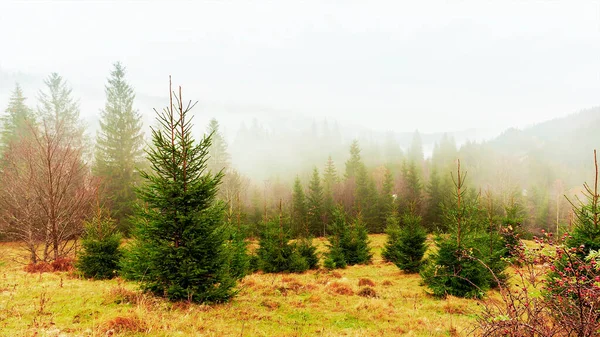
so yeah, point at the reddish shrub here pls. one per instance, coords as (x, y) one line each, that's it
(341, 288)
(366, 282)
(367, 292)
(62, 264)
(40, 267)
(124, 324)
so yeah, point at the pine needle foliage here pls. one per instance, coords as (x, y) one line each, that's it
(180, 246)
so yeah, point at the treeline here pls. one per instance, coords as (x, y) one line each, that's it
(370, 178)
(373, 185)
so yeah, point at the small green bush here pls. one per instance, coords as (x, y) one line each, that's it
(389, 253)
(348, 245)
(410, 247)
(239, 260)
(276, 254)
(101, 255)
(309, 252)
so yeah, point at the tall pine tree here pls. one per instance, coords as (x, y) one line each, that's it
(330, 179)
(60, 111)
(410, 203)
(299, 213)
(354, 162)
(219, 157)
(119, 148)
(385, 203)
(17, 119)
(180, 247)
(366, 199)
(314, 204)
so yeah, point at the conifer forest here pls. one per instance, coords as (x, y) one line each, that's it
(299, 169)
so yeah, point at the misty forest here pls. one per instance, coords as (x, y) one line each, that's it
(169, 215)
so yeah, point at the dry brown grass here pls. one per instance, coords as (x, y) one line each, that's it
(122, 324)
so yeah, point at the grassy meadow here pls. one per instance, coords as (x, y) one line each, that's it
(316, 303)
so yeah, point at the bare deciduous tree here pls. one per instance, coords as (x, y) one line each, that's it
(48, 191)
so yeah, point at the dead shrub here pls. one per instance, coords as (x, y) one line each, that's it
(366, 282)
(387, 283)
(336, 274)
(122, 295)
(63, 264)
(367, 292)
(58, 265)
(124, 324)
(340, 288)
(40, 267)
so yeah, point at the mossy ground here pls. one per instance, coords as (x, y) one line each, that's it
(315, 303)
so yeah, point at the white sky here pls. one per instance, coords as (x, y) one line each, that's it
(398, 65)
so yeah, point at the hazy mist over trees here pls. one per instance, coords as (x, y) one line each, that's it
(374, 124)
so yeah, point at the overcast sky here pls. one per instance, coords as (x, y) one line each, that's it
(398, 65)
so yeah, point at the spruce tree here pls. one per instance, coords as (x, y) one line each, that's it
(411, 199)
(18, 118)
(339, 238)
(219, 157)
(119, 148)
(433, 214)
(101, 254)
(385, 203)
(354, 162)
(348, 244)
(299, 214)
(411, 244)
(60, 111)
(276, 254)
(180, 242)
(390, 251)
(586, 231)
(330, 179)
(366, 199)
(461, 265)
(314, 202)
(415, 152)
